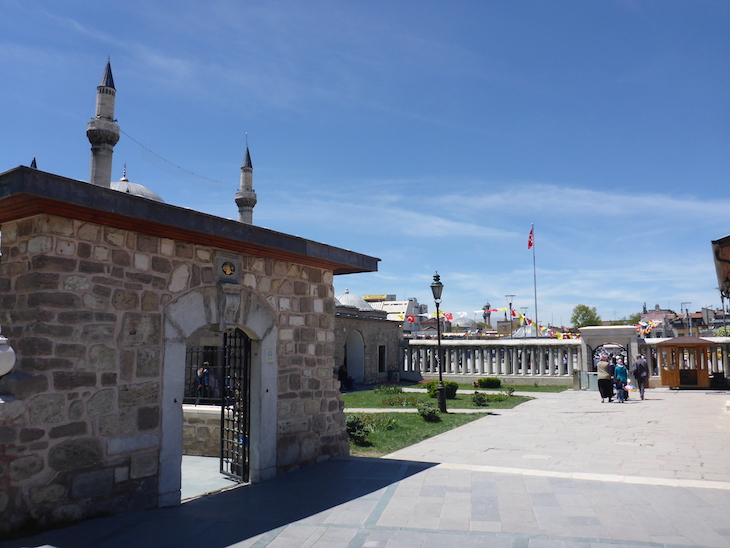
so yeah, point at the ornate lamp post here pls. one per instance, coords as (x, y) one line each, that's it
(509, 311)
(436, 288)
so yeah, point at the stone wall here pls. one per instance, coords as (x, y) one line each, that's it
(83, 306)
(202, 430)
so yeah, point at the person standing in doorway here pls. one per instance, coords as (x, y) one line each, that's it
(640, 371)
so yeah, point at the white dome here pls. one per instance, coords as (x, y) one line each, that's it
(347, 299)
(463, 322)
(123, 185)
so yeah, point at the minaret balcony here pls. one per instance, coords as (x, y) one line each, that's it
(100, 131)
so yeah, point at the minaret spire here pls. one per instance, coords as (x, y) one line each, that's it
(102, 130)
(246, 197)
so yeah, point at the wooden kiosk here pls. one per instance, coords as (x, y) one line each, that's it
(683, 362)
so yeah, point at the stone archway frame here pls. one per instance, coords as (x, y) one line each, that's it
(594, 336)
(221, 307)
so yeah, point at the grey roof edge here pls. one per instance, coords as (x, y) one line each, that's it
(24, 180)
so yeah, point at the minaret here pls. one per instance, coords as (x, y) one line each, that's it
(246, 197)
(102, 132)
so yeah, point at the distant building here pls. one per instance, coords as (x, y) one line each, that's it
(409, 312)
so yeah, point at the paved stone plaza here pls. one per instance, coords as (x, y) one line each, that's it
(563, 470)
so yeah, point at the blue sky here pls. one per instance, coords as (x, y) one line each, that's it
(428, 134)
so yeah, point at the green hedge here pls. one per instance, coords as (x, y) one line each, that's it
(489, 382)
(450, 389)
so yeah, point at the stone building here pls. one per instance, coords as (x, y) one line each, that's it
(101, 294)
(367, 343)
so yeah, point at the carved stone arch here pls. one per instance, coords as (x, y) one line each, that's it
(221, 307)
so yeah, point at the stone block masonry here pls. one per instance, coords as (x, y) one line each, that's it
(81, 414)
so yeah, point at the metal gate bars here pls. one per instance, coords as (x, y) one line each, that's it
(235, 405)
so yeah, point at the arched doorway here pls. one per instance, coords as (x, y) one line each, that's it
(355, 356)
(244, 312)
(612, 350)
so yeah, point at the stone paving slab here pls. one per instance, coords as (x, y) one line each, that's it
(561, 471)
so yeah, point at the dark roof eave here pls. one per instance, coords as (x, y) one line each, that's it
(25, 192)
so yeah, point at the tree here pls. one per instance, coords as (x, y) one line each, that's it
(584, 315)
(631, 320)
(722, 332)
(634, 319)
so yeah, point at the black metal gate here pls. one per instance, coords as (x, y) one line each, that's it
(235, 405)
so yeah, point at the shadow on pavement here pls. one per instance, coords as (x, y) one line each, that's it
(226, 518)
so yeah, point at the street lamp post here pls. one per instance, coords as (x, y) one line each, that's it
(689, 319)
(436, 288)
(524, 321)
(509, 311)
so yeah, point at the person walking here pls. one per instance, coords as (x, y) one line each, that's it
(640, 372)
(620, 375)
(604, 379)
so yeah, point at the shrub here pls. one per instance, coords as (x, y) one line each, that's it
(450, 389)
(428, 412)
(399, 400)
(489, 382)
(509, 390)
(388, 389)
(479, 399)
(357, 430)
(379, 423)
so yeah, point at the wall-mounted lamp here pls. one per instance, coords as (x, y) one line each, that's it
(7, 356)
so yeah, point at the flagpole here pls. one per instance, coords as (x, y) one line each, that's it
(534, 279)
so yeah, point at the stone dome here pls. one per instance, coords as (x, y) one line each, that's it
(348, 299)
(123, 185)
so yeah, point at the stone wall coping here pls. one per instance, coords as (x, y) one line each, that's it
(25, 192)
(201, 411)
(496, 342)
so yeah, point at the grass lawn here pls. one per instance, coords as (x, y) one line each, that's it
(368, 399)
(518, 388)
(393, 431)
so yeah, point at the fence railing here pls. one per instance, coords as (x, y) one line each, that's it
(506, 358)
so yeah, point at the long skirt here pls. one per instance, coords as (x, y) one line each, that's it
(605, 387)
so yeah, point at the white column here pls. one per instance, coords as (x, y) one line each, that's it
(524, 359)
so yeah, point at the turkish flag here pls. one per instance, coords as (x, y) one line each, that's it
(411, 319)
(449, 316)
(531, 239)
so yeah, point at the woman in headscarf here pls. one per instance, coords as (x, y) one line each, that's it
(605, 382)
